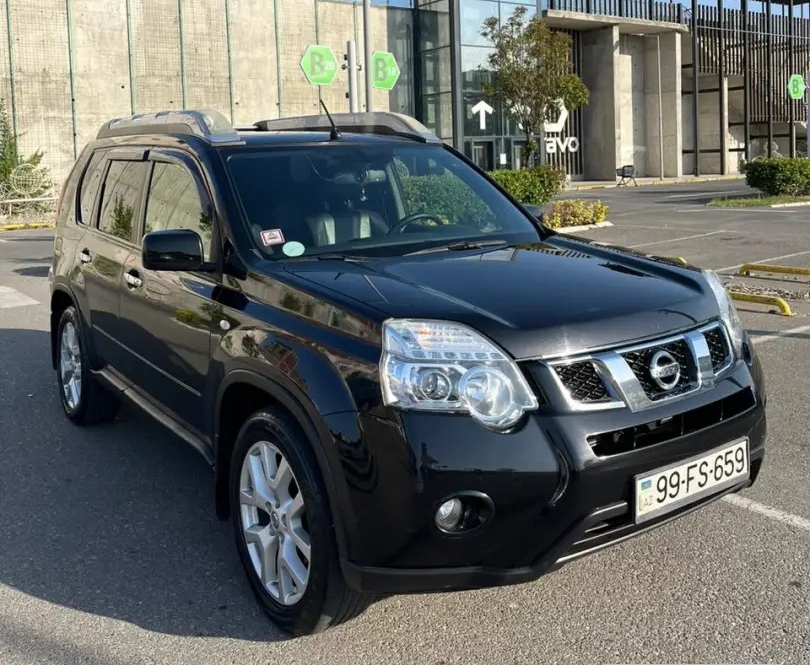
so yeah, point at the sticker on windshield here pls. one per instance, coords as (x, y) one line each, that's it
(293, 248)
(272, 237)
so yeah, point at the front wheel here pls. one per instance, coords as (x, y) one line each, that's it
(283, 528)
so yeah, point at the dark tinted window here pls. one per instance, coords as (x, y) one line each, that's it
(66, 207)
(174, 203)
(372, 199)
(123, 188)
(91, 181)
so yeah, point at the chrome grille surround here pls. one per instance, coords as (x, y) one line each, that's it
(704, 354)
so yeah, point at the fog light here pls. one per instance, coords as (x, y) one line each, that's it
(449, 514)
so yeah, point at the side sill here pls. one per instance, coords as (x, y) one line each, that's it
(113, 382)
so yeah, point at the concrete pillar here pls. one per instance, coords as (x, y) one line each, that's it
(670, 110)
(601, 131)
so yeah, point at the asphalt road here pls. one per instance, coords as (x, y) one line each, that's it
(110, 553)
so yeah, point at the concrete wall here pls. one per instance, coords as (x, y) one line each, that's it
(632, 115)
(620, 124)
(713, 130)
(103, 64)
(668, 109)
(601, 117)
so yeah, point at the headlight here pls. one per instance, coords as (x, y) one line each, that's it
(728, 313)
(447, 367)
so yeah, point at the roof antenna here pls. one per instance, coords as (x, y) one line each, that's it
(335, 133)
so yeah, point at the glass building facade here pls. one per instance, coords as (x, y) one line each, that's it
(677, 87)
(452, 71)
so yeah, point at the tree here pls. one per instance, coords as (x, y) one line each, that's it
(532, 70)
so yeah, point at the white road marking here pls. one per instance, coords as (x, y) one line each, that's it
(674, 227)
(692, 237)
(12, 298)
(781, 334)
(773, 258)
(767, 511)
(700, 195)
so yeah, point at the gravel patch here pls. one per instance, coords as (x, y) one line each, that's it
(755, 289)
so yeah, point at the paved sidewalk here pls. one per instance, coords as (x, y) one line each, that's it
(606, 184)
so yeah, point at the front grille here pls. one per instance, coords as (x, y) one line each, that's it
(602, 381)
(718, 348)
(582, 382)
(667, 429)
(639, 362)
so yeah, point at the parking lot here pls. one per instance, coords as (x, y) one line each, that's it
(110, 552)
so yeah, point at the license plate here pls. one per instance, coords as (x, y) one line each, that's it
(671, 487)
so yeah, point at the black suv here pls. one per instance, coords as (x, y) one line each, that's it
(403, 381)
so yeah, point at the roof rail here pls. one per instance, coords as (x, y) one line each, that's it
(207, 124)
(375, 122)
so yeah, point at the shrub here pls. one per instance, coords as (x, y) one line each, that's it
(575, 212)
(38, 180)
(779, 176)
(535, 186)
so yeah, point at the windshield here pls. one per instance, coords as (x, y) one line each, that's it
(368, 200)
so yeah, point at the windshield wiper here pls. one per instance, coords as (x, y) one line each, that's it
(330, 256)
(460, 246)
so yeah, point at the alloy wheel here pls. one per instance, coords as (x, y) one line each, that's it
(70, 366)
(274, 523)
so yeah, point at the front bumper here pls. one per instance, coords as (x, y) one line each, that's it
(556, 496)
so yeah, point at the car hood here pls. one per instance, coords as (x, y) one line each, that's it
(558, 297)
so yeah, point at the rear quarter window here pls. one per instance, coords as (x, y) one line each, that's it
(90, 185)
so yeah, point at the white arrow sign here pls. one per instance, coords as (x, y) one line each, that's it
(482, 109)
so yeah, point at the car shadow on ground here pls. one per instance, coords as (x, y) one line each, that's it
(32, 271)
(115, 520)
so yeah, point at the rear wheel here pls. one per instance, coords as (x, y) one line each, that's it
(283, 528)
(84, 400)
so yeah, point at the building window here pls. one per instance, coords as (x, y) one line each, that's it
(434, 25)
(473, 15)
(437, 114)
(437, 71)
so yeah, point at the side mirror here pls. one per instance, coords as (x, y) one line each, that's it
(534, 210)
(176, 249)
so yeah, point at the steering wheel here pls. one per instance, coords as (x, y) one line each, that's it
(413, 218)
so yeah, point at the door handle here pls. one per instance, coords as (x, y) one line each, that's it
(132, 279)
(85, 257)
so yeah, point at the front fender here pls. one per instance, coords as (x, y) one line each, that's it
(315, 426)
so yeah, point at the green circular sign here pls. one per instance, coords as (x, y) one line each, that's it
(796, 86)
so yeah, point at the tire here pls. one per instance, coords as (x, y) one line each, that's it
(326, 599)
(92, 403)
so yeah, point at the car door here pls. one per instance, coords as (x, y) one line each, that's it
(107, 243)
(167, 315)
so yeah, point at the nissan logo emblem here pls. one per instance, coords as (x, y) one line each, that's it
(664, 370)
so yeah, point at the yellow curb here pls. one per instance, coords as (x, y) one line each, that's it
(21, 227)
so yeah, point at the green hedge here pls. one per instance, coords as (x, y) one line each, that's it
(779, 176)
(536, 186)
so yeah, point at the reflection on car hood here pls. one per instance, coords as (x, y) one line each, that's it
(562, 296)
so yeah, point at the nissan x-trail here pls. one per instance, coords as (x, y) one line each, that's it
(402, 380)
